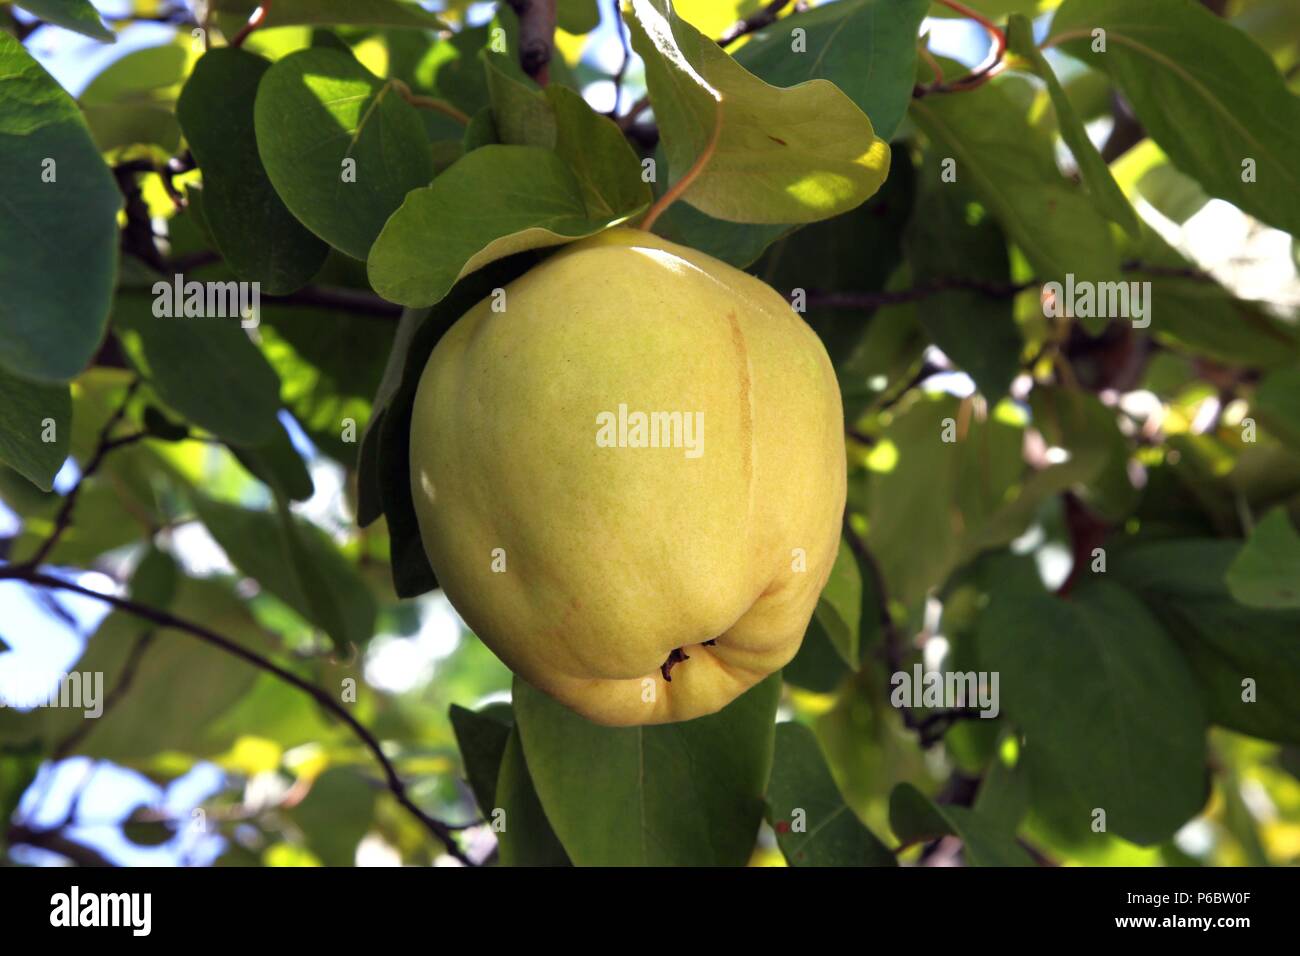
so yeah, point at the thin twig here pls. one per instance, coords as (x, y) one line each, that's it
(755, 21)
(992, 65)
(255, 20)
(102, 447)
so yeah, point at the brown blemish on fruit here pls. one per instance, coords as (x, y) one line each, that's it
(746, 386)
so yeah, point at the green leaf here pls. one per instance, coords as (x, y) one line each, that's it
(865, 47)
(482, 738)
(803, 794)
(1183, 582)
(598, 155)
(492, 203)
(141, 77)
(1010, 167)
(278, 465)
(952, 238)
(361, 13)
(914, 818)
(521, 113)
(58, 239)
(298, 563)
(954, 495)
(527, 839)
(79, 16)
(817, 666)
(129, 124)
(318, 108)
(1266, 572)
(1205, 92)
(155, 579)
(204, 368)
(35, 428)
(1106, 699)
(1096, 174)
(778, 155)
(615, 795)
(330, 363)
(839, 609)
(258, 237)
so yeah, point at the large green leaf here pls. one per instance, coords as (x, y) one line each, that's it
(80, 16)
(58, 239)
(205, 368)
(35, 428)
(492, 203)
(914, 818)
(258, 237)
(688, 793)
(1205, 92)
(1266, 572)
(1106, 698)
(1096, 174)
(1183, 581)
(778, 155)
(528, 839)
(1010, 167)
(865, 47)
(481, 738)
(298, 563)
(317, 109)
(813, 824)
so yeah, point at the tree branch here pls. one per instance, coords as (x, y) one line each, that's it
(536, 37)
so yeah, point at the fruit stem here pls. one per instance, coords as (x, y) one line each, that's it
(676, 189)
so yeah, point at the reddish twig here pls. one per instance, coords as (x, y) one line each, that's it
(991, 66)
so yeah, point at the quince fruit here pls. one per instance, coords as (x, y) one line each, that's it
(629, 476)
